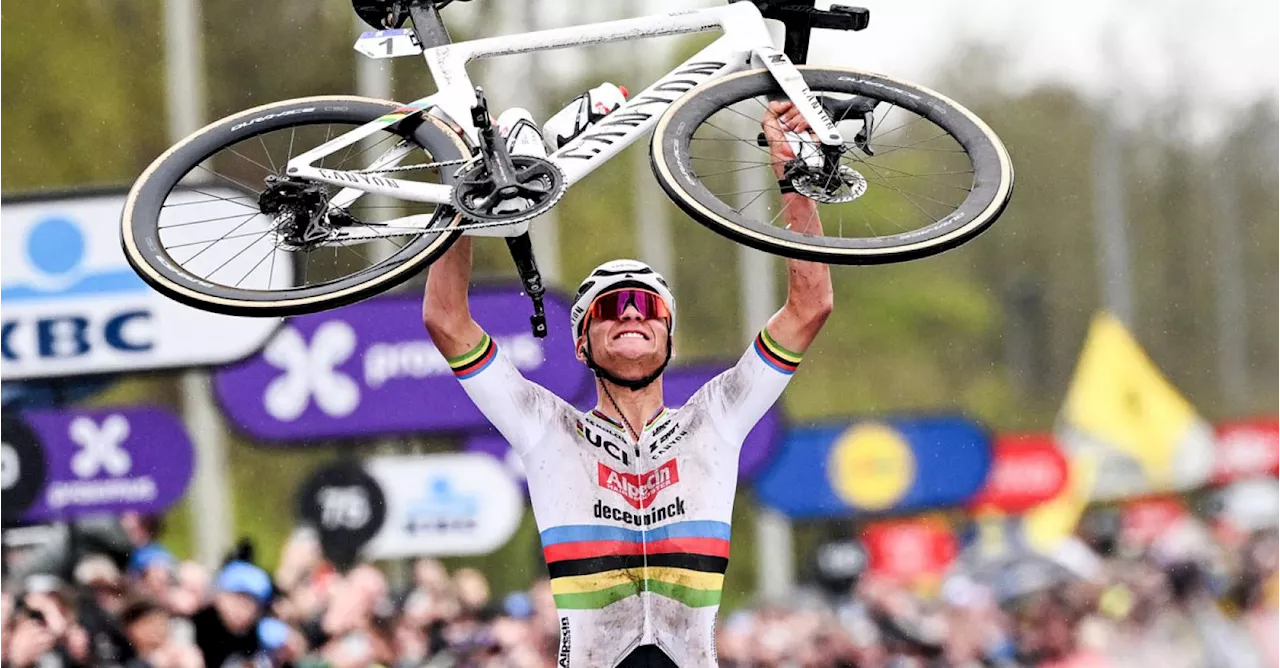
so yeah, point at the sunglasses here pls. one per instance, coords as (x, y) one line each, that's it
(611, 305)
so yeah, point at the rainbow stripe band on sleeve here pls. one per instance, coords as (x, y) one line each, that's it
(471, 363)
(781, 359)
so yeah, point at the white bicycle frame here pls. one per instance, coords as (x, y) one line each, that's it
(746, 42)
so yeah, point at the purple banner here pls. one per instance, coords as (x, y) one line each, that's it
(678, 384)
(109, 461)
(370, 369)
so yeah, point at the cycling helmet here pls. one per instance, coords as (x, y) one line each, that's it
(613, 275)
(619, 274)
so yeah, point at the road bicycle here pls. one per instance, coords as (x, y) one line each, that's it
(318, 202)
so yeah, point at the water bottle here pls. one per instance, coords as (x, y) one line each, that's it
(585, 109)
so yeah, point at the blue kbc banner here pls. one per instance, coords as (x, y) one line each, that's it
(893, 465)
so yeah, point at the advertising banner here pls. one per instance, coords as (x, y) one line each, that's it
(73, 306)
(910, 550)
(893, 465)
(370, 369)
(678, 385)
(1246, 449)
(346, 507)
(1142, 521)
(443, 505)
(1026, 470)
(96, 461)
(24, 469)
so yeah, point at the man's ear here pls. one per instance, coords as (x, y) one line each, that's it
(581, 348)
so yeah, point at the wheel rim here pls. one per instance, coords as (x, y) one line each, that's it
(936, 170)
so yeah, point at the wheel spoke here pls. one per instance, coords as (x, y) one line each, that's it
(211, 243)
(206, 220)
(228, 179)
(251, 160)
(242, 250)
(271, 253)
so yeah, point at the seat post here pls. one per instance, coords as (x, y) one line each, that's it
(427, 24)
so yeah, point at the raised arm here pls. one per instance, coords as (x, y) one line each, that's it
(809, 295)
(445, 310)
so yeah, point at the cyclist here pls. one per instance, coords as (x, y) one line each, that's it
(632, 499)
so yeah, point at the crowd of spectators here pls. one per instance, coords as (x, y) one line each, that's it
(1180, 607)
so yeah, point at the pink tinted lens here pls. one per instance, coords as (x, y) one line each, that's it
(611, 306)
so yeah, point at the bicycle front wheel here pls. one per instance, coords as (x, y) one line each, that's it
(197, 227)
(918, 173)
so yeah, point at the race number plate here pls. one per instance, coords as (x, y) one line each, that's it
(388, 44)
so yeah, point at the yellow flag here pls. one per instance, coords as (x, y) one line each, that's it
(1131, 430)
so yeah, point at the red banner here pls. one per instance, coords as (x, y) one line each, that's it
(911, 549)
(1026, 469)
(1247, 449)
(1144, 520)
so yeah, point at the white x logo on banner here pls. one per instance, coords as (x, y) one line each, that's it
(311, 371)
(100, 446)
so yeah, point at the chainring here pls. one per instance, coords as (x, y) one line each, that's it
(541, 185)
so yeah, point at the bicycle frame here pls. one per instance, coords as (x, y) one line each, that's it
(746, 43)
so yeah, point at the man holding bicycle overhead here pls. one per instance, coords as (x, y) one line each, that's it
(632, 499)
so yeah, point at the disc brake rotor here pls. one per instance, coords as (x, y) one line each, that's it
(845, 185)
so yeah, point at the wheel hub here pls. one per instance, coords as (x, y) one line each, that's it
(297, 210)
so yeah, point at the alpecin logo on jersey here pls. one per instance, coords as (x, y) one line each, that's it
(565, 651)
(641, 489)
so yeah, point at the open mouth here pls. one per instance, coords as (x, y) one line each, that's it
(631, 334)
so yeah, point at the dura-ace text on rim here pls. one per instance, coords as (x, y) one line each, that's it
(146, 198)
(992, 169)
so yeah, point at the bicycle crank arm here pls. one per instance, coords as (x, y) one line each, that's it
(522, 253)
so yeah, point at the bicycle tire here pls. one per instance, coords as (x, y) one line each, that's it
(993, 170)
(139, 221)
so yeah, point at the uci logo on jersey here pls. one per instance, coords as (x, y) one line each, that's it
(56, 251)
(598, 440)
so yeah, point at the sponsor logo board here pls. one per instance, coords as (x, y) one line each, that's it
(370, 369)
(74, 306)
(108, 461)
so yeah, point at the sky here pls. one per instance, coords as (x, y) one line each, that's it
(1131, 53)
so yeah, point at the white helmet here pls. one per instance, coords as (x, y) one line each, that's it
(619, 274)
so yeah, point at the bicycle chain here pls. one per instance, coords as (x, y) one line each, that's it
(474, 224)
(409, 168)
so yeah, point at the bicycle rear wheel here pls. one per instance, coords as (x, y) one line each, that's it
(930, 176)
(197, 228)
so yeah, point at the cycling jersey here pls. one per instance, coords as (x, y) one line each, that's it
(635, 534)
